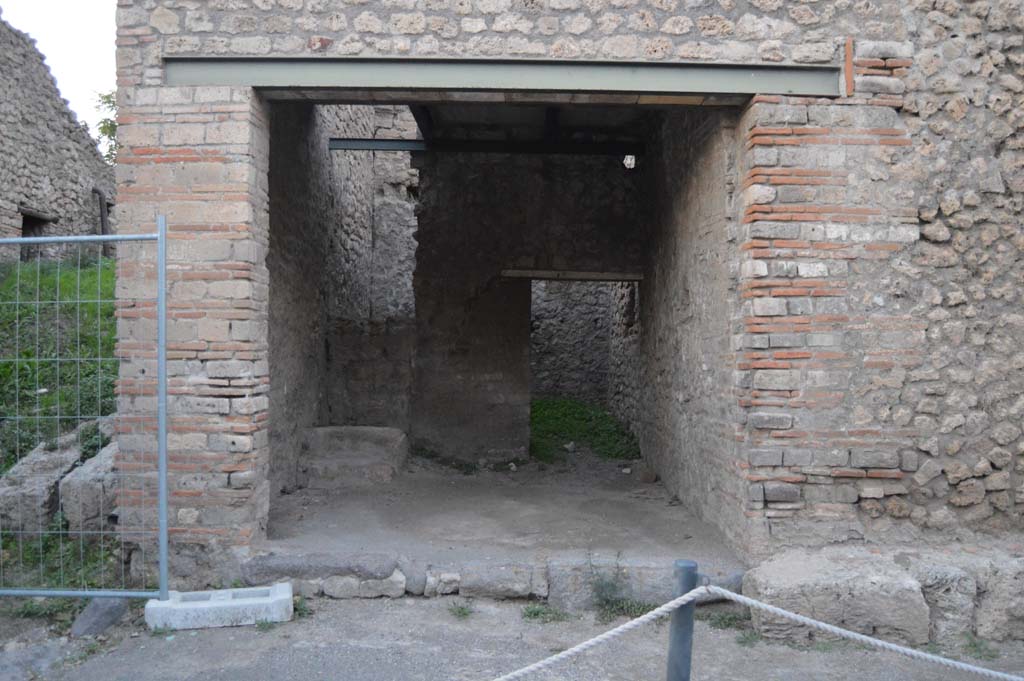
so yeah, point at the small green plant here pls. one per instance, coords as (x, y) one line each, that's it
(91, 440)
(301, 607)
(45, 608)
(543, 613)
(978, 648)
(728, 620)
(611, 604)
(461, 610)
(824, 646)
(264, 626)
(159, 631)
(85, 653)
(237, 584)
(557, 421)
(748, 638)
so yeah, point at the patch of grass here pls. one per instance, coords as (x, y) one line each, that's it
(461, 610)
(555, 422)
(86, 652)
(464, 467)
(748, 638)
(54, 609)
(58, 558)
(979, 648)
(159, 631)
(611, 604)
(71, 320)
(301, 607)
(543, 613)
(727, 619)
(263, 626)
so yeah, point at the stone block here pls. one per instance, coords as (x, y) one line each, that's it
(514, 580)
(769, 421)
(777, 379)
(98, 616)
(349, 586)
(221, 608)
(781, 491)
(874, 459)
(88, 494)
(769, 307)
(766, 457)
(865, 595)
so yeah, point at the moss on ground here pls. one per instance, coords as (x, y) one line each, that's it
(555, 422)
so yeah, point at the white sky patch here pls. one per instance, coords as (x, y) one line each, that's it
(77, 39)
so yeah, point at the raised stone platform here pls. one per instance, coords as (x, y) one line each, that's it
(351, 455)
(536, 532)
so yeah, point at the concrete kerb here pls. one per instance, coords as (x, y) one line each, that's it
(221, 608)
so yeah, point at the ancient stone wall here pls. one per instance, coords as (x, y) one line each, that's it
(372, 311)
(687, 410)
(570, 339)
(309, 185)
(624, 330)
(50, 163)
(471, 393)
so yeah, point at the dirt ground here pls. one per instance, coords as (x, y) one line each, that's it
(413, 639)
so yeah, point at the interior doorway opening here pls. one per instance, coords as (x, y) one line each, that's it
(401, 285)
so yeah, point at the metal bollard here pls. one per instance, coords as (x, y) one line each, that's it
(680, 633)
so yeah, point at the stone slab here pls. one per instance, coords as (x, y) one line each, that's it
(221, 608)
(98, 616)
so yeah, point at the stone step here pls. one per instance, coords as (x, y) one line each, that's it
(351, 454)
(572, 581)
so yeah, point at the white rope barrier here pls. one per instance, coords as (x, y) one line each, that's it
(607, 636)
(697, 593)
(861, 638)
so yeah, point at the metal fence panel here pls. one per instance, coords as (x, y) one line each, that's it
(79, 516)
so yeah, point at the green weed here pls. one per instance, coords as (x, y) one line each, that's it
(611, 604)
(301, 607)
(263, 626)
(460, 611)
(543, 613)
(748, 638)
(557, 421)
(978, 648)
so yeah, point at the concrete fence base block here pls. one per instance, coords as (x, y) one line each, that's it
(221, 608)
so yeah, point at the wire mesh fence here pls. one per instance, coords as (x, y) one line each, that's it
(79, 513)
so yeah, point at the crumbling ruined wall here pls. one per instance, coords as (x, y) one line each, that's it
(570, 339)
(471, 391)
(50, 164)
(686, 410)
(372, 311)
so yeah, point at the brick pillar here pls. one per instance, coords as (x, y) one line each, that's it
(824, 342)
(199, 156)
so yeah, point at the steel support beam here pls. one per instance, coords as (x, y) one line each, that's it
(490, 147)
(504, 75)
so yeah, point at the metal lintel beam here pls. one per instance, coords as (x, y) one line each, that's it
(490, 147)
(504, 75)
(570, 275)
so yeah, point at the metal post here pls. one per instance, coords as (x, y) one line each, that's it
(161, 399)
(680, 633)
